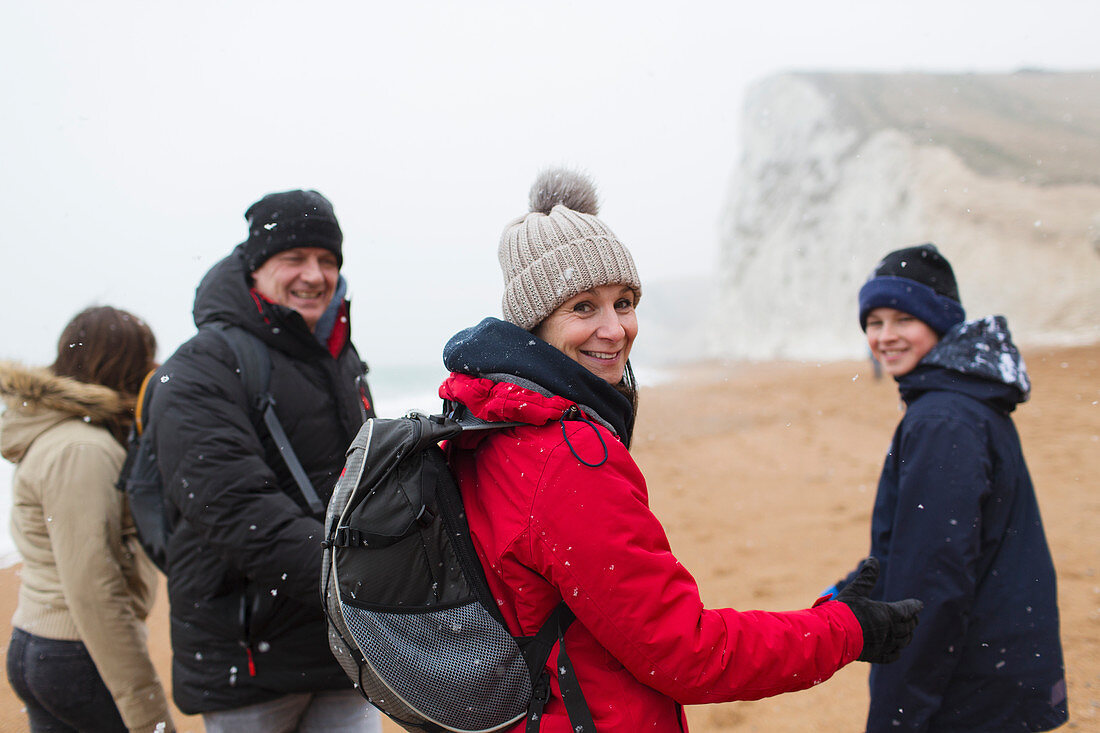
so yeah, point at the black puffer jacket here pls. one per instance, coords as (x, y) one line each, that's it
(244, 556)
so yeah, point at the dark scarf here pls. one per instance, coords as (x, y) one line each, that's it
(504, 352)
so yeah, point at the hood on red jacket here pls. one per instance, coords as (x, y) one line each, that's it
(503, 401)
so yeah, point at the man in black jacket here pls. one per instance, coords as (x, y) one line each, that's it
(249, 638)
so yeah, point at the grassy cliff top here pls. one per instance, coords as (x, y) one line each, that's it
(1039, 127)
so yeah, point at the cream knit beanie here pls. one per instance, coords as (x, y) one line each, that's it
(559, 249)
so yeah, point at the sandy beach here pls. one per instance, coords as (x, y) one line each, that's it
(764, 476)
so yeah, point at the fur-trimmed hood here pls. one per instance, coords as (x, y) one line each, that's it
(36, 400)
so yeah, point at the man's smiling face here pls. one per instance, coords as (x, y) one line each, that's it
(302, 278)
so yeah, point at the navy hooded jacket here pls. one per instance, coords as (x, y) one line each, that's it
(956, 524)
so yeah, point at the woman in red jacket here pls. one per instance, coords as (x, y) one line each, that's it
(558, 510)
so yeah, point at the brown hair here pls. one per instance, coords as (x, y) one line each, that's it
(110, 347)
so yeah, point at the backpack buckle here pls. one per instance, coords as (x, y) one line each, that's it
(425, 517)
(347, 537)
(541, 692)
(540, 695)
(264, 401)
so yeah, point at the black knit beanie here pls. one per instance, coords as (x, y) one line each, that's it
(918, 281)
(282, 221)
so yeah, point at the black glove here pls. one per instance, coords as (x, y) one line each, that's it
(887, 627)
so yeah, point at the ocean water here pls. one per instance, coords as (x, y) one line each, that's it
(396, 390)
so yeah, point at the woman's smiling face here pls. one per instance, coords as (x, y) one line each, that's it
(596, 329)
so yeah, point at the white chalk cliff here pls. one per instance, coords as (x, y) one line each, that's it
(1001, 172)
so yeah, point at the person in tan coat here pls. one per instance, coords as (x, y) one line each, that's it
(78, 657)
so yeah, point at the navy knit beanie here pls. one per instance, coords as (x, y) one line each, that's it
(282, 221)
(918, 281)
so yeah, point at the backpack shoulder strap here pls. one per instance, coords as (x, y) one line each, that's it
(253, 360)
(141, 405)
(254, 366)
(467, 420)
(536, 650)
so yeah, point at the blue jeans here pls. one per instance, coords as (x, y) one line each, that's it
(60, 686)
(331, 711)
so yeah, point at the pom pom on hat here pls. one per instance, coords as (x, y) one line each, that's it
(918, 281)
(559, 186)
(559, 249)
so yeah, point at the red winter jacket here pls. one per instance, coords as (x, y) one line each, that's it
(547, 527)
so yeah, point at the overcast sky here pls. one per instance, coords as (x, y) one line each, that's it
(134, 135)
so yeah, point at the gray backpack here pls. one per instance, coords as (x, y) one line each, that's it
(411, 617)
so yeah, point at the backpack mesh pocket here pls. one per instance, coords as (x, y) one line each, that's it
(460, 649)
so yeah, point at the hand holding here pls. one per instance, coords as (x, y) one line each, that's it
(887, 626)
